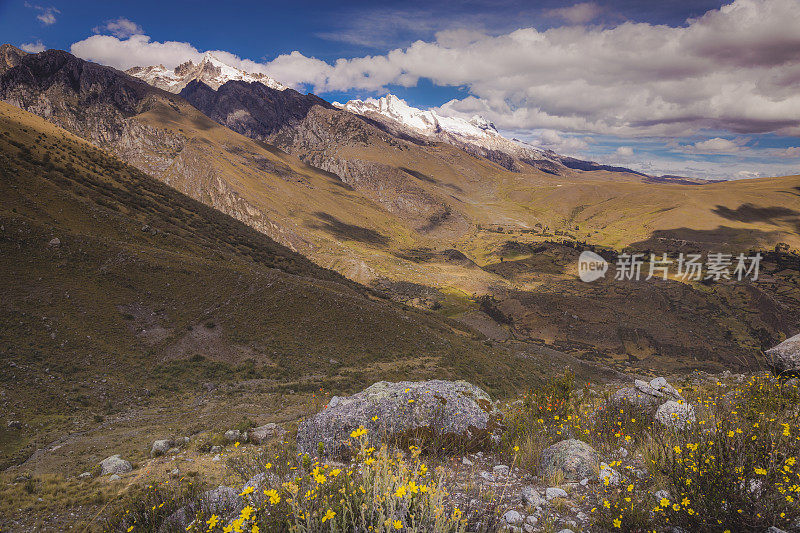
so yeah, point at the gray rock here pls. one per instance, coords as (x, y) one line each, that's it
(216, 449)
(114, 465)
(661, 494)
(466, 462)
(455, 409)
(645, 395)
(574, 458)
(486, 476)
(160, 447)
(675, 415)
(85, 475)
(773, 529)
(263, 433)
(554, 492)
(500, 471)
(665, 389)
(512, 517)
(608, 473)
(222, 498)
(234, 435)
(531, 497)
(785, 357)
(54, 242)
(257, 481)
(566, 530)
(114, 477)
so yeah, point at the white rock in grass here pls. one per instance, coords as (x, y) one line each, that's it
(114, 465)
(676, 415)
(512, 517)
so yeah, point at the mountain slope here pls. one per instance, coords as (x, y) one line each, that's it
(115, 283)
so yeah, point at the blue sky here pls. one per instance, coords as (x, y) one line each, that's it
(658, 86)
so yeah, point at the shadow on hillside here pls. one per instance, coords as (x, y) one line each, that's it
(715, 239)
(424, 177)
(754, 213)
(346, 231)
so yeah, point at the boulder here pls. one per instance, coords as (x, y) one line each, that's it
(263, 433)
(222, 500)
(675, 415)
(160, 447)
(785, 357)
(512, 517)
(114, 465)
(647, 396)
(574, 458)
(554, 492)
(447, 410)
(531, 497)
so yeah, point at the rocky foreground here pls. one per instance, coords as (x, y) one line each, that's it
(711, 453)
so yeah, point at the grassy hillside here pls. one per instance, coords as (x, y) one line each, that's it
(148, 301)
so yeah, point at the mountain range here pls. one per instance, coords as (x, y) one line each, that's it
(438, 212)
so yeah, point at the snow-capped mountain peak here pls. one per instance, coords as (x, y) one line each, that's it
(476, 135)
(424, 122)
(210, 70)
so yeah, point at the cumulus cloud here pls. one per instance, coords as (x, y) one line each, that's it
(47, 15)
(576, 14)
(717, 145)
(790, 152)
(732, 69)
(624, 152)
(136, 50)
(33, 48)
(121, 27)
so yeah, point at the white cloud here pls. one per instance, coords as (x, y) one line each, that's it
(733, 69)
(121, 27)
(33, 48)
(576, 14)
(47, 15)
(624, 152)
(137, 50)
(556, 141)
(717, 145)
(790, 152)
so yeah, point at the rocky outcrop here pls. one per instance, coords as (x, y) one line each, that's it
(574, 458)
(645, 395)
(10, 56)
(657, 398)
(252, 109)
(785, 357)
(436, 409)
(114, 465)
(263, 433)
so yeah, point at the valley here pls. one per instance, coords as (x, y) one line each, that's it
(196, 248)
